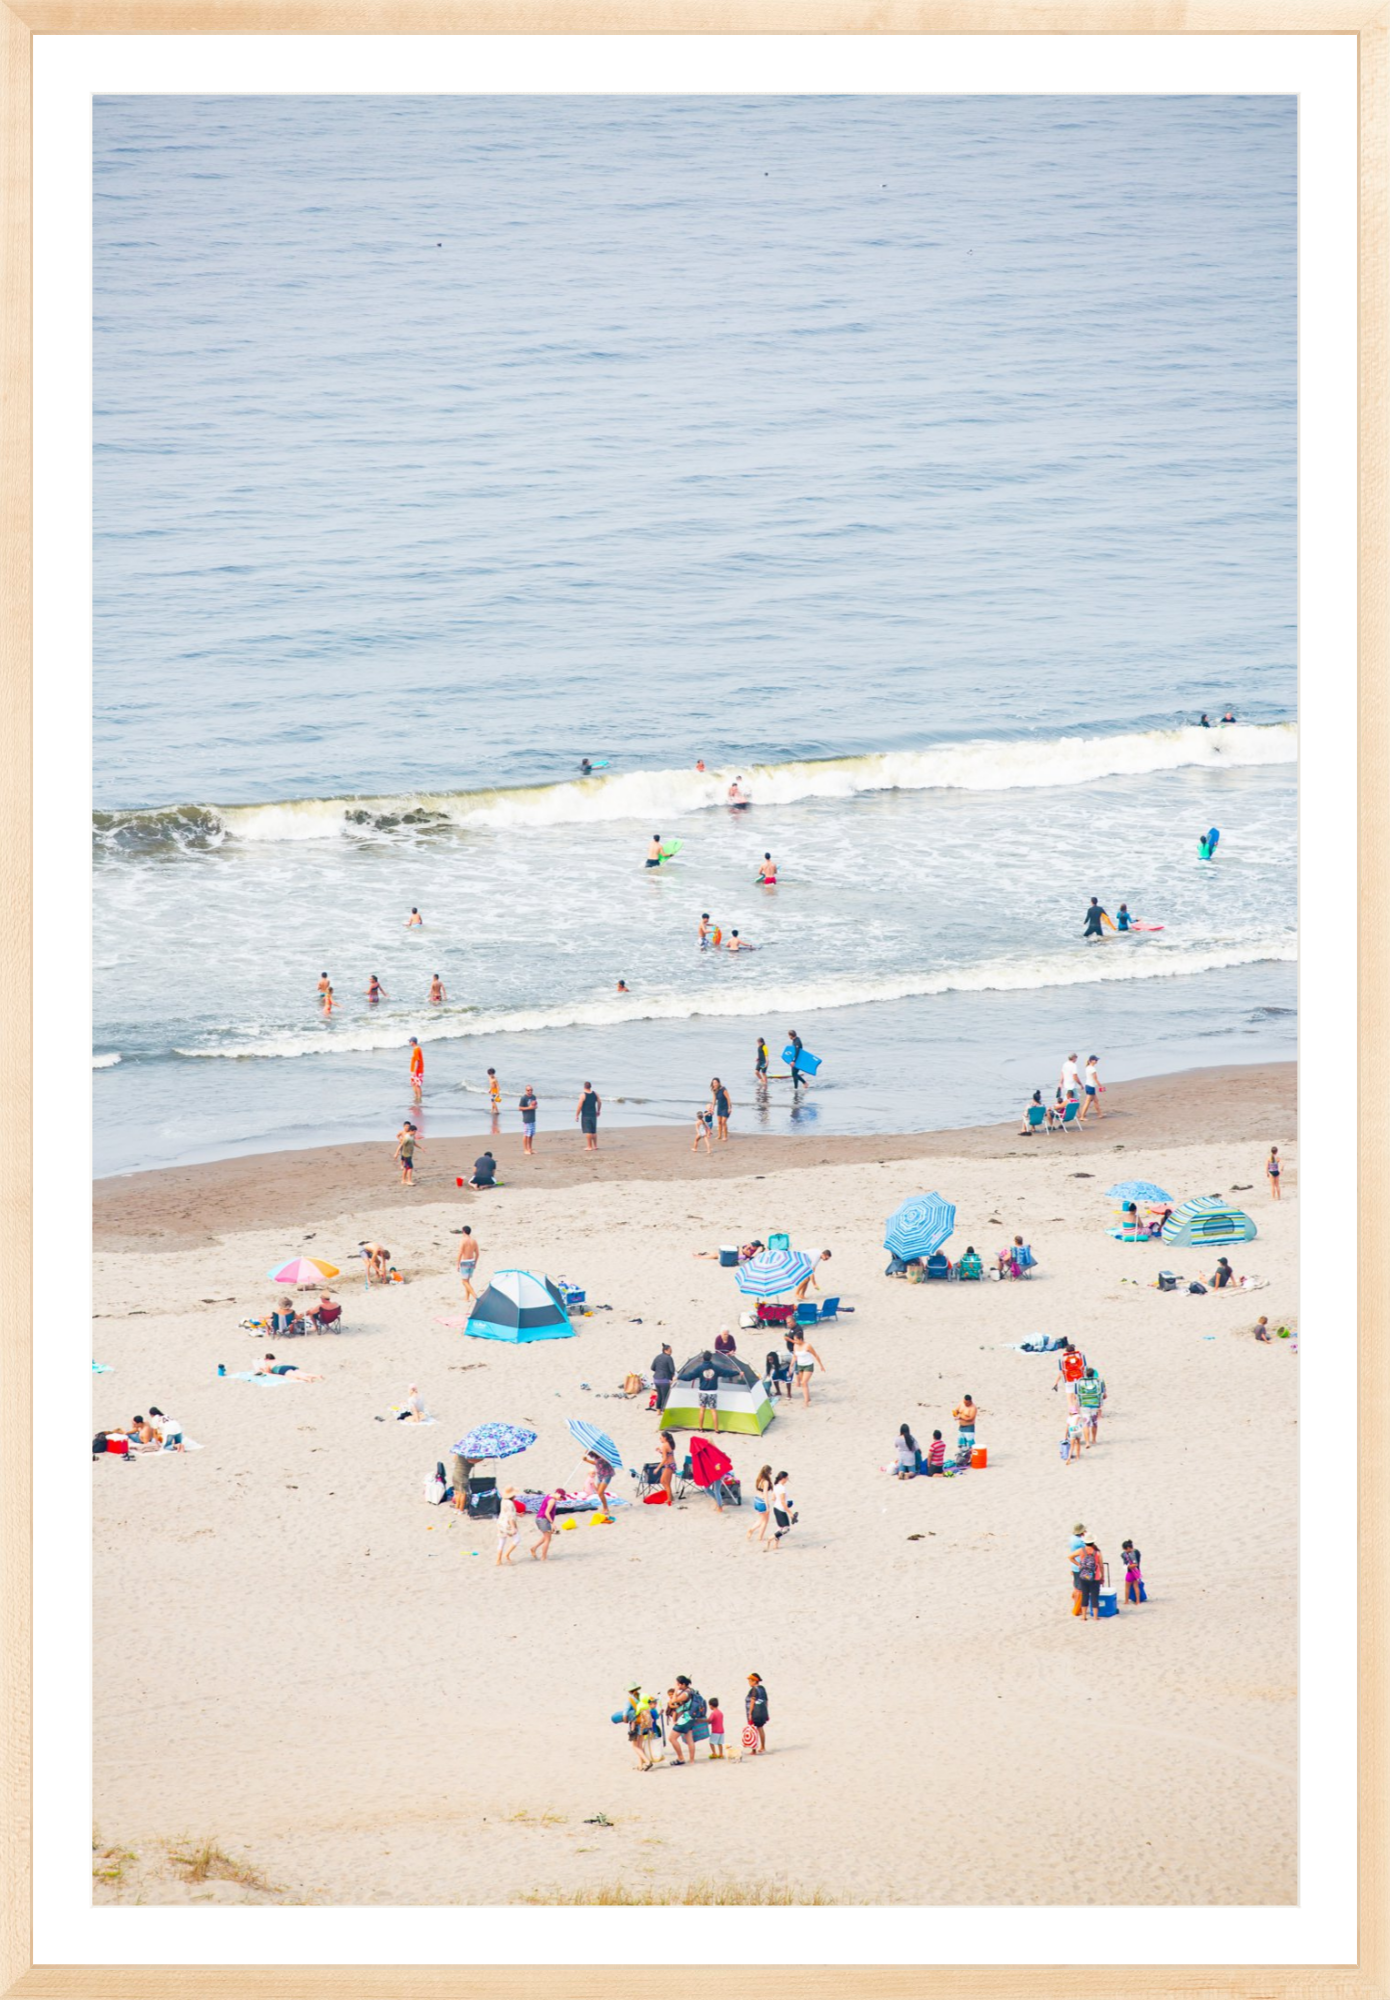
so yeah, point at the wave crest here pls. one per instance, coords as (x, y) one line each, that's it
(663, 795)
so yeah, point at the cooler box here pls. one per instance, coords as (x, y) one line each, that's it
(572, 1295)
(979, 1457)
(728, 1256)
(1108, 1607)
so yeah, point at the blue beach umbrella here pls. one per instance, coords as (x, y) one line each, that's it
(919, 1225)
(771, 1272)
(594, 1439)
(495, 1441)
(1137, 1191)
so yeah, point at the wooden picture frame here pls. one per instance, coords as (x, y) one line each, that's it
(20, 23)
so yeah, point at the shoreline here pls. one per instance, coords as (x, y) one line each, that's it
(179, 1205)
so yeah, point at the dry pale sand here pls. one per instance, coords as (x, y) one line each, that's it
(299, 1660)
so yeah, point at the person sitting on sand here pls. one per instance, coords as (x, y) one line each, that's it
(907, 1454)
(172, 1430)
(270, 1366)
(1262, 1331)
(1223, 1275)
(144, 1436)
(484, 1173)
(724, 1342)
(1156, 1222)
(413, 1411)
(326, 1313)
(936, 1455)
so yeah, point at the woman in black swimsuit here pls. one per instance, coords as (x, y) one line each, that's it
(719, 1098)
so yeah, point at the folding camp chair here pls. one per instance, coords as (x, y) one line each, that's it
(830, 1309)
(649, 1480)
(779, 1240)
(807, 1313)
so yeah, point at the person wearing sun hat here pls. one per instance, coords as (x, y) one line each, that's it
(639, 1726)
(507, 1530)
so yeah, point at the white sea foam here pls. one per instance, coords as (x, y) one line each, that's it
(104, 1062)
(654, 797)
(1119, 959)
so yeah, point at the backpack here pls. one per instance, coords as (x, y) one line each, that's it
(1073, 1366)
(696, 1706)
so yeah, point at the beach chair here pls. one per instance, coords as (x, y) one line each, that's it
(779, 1240)
(807, 1313)
(1068, 1118)
(938, 1265)
(1037, 1117)
(970, 1267)
(830, 1309)
(649, 1481)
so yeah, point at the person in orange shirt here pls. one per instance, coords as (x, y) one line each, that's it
(417, 1068)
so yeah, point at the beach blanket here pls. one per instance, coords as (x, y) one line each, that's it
(399, 1411)
(189, 1444)
(1038, 1343)
(250, 1375)
(103, 1368)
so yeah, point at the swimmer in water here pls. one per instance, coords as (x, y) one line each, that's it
(324, 985)
(1205, 722)
(586, 769)
(654, 856)
(1095, 918)
(1230, 714)
(704, 930)
(494, 1090)
(437, 992)
(736, 943)
(735, 794)
(413, 919)
(699, 763)
(767, 873)
(329, 1003)
(623, 986)
(1122, 918)
(375, 989)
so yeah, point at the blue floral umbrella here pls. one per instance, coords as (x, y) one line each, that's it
(1137, 1191)
(919, 1225)
(771, 1272)
(494, 1441)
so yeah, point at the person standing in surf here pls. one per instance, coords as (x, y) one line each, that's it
(796, 1045)
(417, 1069)
(654, 855)
(1095, 918)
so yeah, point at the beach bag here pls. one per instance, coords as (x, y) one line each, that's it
(436, 1487)
(1064, 1449)
(1195, 1287)
(632, 1385)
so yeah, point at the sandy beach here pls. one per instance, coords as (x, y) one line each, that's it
(332, 1682)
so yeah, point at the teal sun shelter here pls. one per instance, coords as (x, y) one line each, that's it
(518, 1306)
(1208, 1219)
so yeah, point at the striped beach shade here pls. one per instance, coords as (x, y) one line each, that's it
(593, 1439)
(771, 1272)
(919, 1225)
(1138, 1191)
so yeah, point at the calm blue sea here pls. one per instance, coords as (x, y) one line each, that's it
(928, 465)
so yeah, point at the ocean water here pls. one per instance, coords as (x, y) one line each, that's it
(929, 465)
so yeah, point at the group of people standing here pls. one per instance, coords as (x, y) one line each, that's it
(1088, 1574)
(685, 1719)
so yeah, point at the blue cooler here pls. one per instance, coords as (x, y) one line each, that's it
(728, 1257)
(1108, 1607)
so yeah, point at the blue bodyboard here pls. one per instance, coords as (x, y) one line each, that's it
(806, 1063)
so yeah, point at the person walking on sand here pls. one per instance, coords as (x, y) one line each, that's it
(755, 1709)
(406, 1142)
(663, 1374)
(704, 1118)
(545, 1524)
(783, 1512)
(526, 1105)
(466, 1262)
(1092, 1087)
(417, 1068)
(437, 993)
(804, 1361)
(762, 1505)
(1274, 1169)
(1070, 1079)
(507, 1526)
(719, 1100)
(639, 1726)
(586, 1115)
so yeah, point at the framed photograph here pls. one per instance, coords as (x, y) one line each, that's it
(696, 716)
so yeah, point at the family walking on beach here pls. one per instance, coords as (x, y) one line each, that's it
(685, 1718)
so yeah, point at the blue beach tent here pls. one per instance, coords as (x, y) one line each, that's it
(518, 1306)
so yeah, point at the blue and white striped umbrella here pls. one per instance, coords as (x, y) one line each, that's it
(495, 1441)
(1137, 1191)
(594, 1439)
(919, 1225)
(771, 1272)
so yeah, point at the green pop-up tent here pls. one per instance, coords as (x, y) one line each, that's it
(740, 1399)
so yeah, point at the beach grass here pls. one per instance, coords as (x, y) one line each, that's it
(205, 1861)
(623, 1895)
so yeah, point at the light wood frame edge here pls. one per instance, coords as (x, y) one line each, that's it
(1367, 1980)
